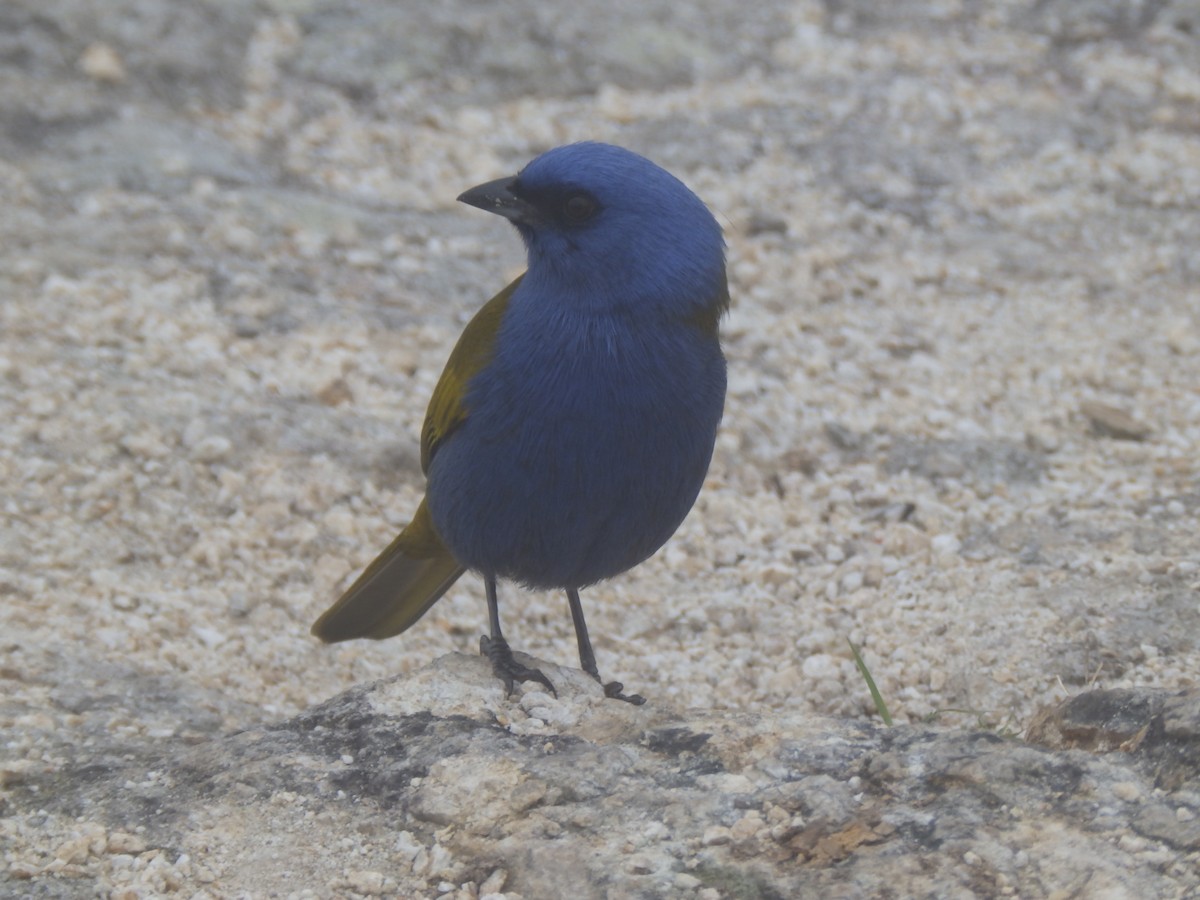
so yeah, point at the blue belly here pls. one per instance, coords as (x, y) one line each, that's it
(580, 456)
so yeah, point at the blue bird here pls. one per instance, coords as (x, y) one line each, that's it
(572, 428)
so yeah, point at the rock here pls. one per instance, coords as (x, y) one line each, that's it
(101, 62)
(1110, 421)
(1006, 462)
(414, 786)
(1155, 729)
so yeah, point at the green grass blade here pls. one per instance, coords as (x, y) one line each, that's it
(880, 706)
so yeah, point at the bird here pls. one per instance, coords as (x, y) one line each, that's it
(574, 423)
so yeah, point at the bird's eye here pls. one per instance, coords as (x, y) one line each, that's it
(579, 208)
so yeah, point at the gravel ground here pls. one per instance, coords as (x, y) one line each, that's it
(963, 417)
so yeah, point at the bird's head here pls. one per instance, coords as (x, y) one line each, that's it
(610, 229)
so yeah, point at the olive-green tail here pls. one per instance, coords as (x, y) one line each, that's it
(396, 589)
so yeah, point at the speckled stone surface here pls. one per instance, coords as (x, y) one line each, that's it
(437, 784)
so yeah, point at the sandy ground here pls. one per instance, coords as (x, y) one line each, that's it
(952, 233)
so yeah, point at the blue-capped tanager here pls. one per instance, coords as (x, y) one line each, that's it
(575, 420)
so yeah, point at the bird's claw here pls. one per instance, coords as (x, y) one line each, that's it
(506, 668)
(613, 690)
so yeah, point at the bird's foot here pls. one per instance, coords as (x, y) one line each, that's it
(508, 669)
(613, 690)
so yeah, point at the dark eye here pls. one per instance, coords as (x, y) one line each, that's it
(579, 208)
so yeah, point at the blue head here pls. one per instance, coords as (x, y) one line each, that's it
(611, 230)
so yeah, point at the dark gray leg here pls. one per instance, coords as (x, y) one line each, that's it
(587, 657)
(496, 648)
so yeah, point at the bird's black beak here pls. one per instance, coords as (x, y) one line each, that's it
(500, 197)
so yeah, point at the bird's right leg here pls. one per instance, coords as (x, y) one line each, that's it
(587, 656)
(496, 648)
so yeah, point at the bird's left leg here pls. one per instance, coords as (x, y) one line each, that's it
(496, 648)
(587, 657)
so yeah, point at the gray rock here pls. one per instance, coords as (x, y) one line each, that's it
(970, 461)
(1155, 729)
(174, 52)
(501, 51)
(437, 778)
(139, 155)
(1072, 21)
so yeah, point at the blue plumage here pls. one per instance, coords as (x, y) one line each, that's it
(584, 448)
(575, 421)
